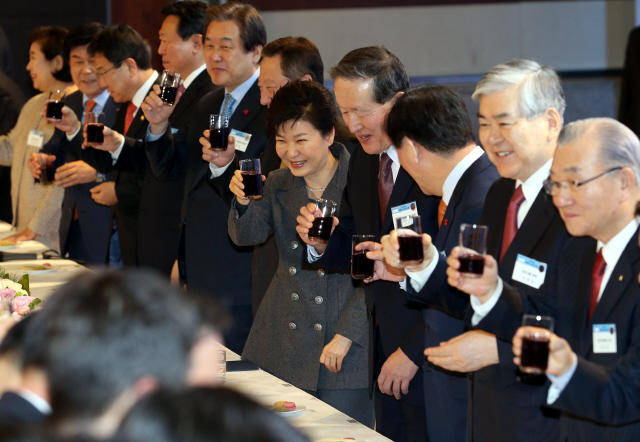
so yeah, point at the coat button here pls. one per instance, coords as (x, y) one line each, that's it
(292, 326)
(292, 271)
(320, 272)
(319, 300)
(294, 296)
(294, 245)
(317, 327)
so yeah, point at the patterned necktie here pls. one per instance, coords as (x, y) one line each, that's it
(385, 183)
(511, 223)
(88, 109)
(442, 209)
(229, 101)
(131, 110)
(596, 281)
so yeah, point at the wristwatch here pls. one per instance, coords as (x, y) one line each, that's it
(99, 177)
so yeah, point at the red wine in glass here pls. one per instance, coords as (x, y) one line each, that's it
(535, 353)
(54, 109)
(321, 229)
(252, 184)
(471, 264)
(219, 138)
(95, 133)
(411, 248)
(168, 94)
(361, 266)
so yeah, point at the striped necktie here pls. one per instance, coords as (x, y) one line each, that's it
(229, 101)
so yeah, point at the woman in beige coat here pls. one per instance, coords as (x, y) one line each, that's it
(36, 208)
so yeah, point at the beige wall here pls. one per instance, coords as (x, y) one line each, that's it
(470, 39)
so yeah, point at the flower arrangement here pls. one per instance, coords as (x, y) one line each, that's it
(17, 293)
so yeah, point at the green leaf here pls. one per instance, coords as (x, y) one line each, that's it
(24, 282)
(34, 303)
(18, 294)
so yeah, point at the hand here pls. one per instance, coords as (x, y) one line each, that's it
(305, 222)
(104, 193)
(396, 373)
(560, 355)
(391, 249)
(69, 122)
(26, 235)
(77, 172)
(380, 269)
(334, 352)
(218, 157)
(112, 140)
(482, 287)
(157, 111)
(468, 352)
(236, 187)
(34, 163)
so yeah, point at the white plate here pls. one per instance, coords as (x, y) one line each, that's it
(5, 248)
(37, 272)
(299, 409)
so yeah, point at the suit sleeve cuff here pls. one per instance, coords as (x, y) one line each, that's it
(116, 154)
(558, 383)
(481, 310)
(312, 254)
(151, 137)
(218, 171)
(71, 137)
(420, 278)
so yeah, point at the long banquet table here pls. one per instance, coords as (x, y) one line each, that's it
(318, 420)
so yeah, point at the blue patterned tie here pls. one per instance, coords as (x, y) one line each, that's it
(229, 101)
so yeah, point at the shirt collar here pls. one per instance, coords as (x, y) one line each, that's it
(454, 176)
(612, 250)
(39, 403)
(139, 97)
(192, 76)
(239, 92)
(532, 187)
(101, 100)
(393, 154)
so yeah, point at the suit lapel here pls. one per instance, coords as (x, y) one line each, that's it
(580, 308)
(499, 215)
(191, 95)
(110, 110)
(401, 189)
(293, 195)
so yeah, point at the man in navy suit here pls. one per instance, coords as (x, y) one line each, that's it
(208, 260)
(431, 127)
(593, 294)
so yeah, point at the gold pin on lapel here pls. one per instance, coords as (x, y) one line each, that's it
(142, 117)
(620, 278)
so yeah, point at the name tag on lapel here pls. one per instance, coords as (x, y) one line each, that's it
(529, 271)
(242, 139)
(605, 338)
(35, 139)
(409, 209)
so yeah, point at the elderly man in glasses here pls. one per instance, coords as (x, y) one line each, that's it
(594, 295)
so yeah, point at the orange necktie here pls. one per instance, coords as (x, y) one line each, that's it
(442, 209)
(131, 110)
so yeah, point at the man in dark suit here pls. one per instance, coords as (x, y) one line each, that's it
(521, 107)
(84, 225)
(445, 163)
(209, 261)
(123, 63)
(593, 294)
(367, 83)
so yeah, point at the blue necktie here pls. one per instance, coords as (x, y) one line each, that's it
(229, 101)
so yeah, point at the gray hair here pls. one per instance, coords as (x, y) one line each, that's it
(539, 86)
(618, 146)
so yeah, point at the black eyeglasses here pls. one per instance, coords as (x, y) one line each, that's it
(115, 66)
(553, 187)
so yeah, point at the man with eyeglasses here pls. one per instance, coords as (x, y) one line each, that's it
(593, 294)
(520, 115)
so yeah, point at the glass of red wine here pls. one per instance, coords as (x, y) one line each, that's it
(322, 224)
(473, 239)
(535, 344)
(361, 266)
(95, 127)
(48, 173)
(219, 132)
(409, 230)
(251, 178)
(55, 103)
(169, 86)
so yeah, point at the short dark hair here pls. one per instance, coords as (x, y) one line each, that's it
(302, 100)
(101, 332)
(219, 414)
(252, 30)
(298, 57)
(51, 41)
(81, 35)
(434, 117)
(378, 64)
(13, 342)
(119, 42)
(191, 16)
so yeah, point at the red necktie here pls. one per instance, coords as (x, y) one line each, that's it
(511, 223)
(131, 110)
(596, 282)
(385, 183)
(442, 209)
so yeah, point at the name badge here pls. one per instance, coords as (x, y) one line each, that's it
(242, 139)
(529, 271)
(605, 338)
(35, 139)
(409, 209)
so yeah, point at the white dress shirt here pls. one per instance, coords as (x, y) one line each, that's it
(186, 82)
(40, 404)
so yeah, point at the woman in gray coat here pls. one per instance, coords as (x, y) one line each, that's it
(311, 329)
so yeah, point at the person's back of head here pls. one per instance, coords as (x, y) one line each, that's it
(120, 42)
(377, 64)
(11, 354)
(299, 56)
(434, 117)
(204, 415)
(101, 333)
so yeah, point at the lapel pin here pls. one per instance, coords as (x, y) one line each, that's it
(446, 222)
(246, 112)
(142, 117)
(620, 278)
